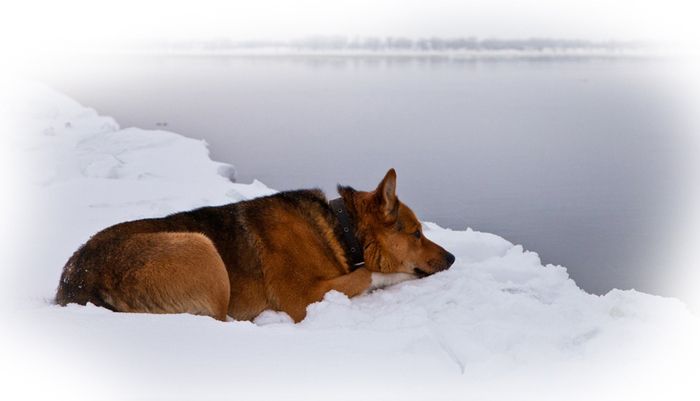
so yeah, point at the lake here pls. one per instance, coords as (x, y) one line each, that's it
(575, 158)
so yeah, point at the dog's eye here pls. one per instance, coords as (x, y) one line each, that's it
(417, 234)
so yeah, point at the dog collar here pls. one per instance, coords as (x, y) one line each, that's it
(350, 242)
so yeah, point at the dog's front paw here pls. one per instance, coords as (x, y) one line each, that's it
(381, 280)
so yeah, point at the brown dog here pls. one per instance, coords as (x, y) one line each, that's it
(281, 252)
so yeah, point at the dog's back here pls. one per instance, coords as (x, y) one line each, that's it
(201, 260)
(281, 252)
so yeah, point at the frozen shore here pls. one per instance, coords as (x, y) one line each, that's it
(497, 325)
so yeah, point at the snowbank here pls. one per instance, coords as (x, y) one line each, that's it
(497, 325)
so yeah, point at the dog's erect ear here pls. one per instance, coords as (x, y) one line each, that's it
(386, 196)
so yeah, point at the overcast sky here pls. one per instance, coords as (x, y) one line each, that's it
(69, 21)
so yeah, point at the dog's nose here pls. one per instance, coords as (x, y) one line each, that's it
(449, 259)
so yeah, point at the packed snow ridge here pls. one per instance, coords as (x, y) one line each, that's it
(497, 325)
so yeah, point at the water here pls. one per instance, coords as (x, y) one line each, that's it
(573, 158)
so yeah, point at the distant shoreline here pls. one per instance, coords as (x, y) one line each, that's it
(393, 47)
(573, 53)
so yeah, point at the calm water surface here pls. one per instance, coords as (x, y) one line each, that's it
(574, 159)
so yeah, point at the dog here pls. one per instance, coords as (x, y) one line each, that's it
(280, 252)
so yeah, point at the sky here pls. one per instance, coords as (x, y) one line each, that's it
(40, 24)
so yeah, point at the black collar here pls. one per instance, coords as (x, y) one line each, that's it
(349, 240)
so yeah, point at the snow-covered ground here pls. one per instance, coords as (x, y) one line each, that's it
(497, 325)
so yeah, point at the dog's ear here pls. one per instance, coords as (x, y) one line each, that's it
(386, 196)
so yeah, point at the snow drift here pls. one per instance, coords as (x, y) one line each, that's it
(497, 325)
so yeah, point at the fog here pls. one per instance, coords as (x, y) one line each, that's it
(56, 26)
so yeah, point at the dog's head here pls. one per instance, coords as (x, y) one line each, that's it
(391, 234)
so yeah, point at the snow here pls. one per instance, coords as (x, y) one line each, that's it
(497, 325)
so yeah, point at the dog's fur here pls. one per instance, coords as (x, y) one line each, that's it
(280, 252)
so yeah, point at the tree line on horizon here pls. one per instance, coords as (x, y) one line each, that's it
(403, 43)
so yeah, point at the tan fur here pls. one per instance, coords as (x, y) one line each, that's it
(280, 252)
(180, 272)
